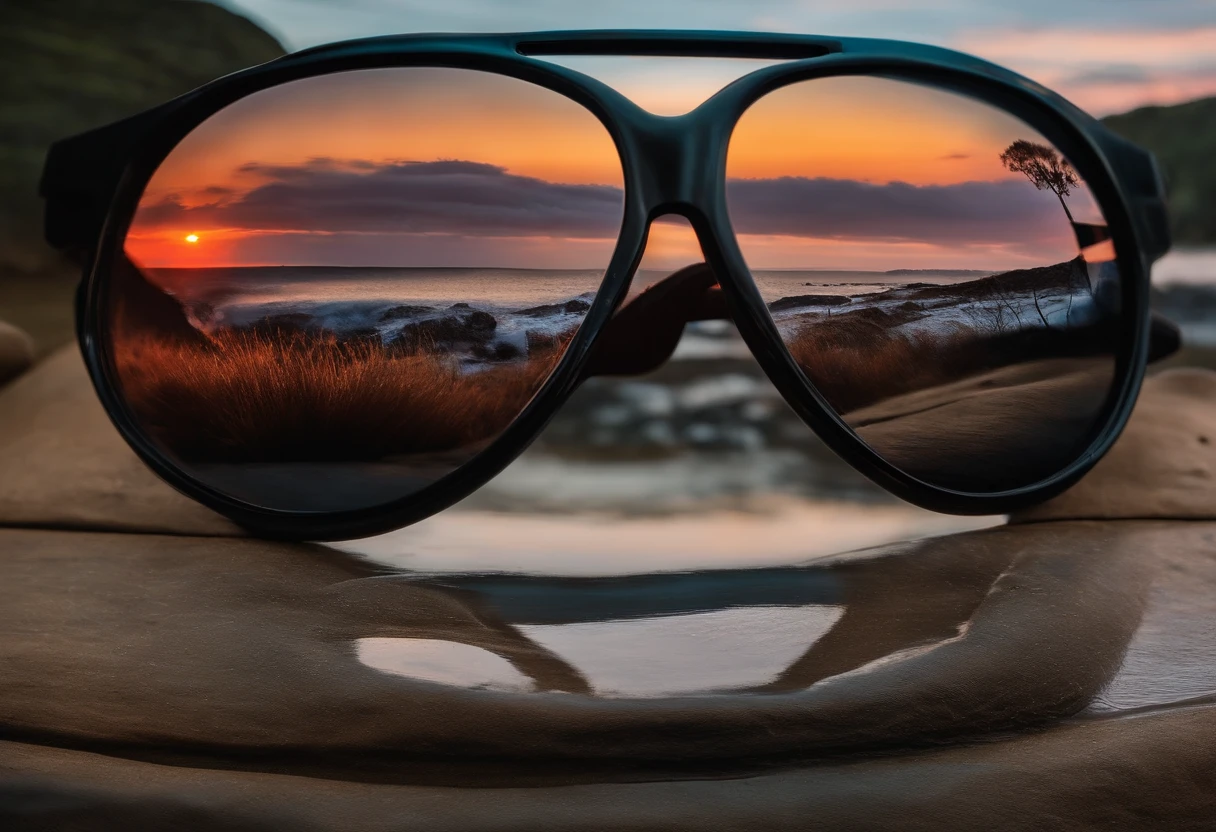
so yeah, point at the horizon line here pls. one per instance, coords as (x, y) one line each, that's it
(951, 270)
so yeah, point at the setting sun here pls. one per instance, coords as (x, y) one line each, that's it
(191, 238)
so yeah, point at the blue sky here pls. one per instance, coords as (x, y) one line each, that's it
(1106, 55)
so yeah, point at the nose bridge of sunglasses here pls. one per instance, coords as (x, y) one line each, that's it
(644, 332)
(686, 44)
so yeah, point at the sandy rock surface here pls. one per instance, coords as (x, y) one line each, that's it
(75, 470)
(16, 352)
(160, 668)
(1164, 464)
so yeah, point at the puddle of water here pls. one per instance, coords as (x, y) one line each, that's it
(603, 545)
(443, 662)
(690, 654)
(687, 654)
(1172, 656)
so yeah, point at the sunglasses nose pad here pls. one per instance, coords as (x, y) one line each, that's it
(644, 332)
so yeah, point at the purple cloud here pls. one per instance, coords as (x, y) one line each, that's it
(473, 199)
(967, 212)
(446, 197)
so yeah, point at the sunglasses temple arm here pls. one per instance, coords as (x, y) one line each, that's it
(80, 177)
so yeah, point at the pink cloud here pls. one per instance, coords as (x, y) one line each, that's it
(1111, 70)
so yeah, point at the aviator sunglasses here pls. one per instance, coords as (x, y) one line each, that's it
(333, 294)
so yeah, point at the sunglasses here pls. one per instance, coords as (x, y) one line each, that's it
(333, 294)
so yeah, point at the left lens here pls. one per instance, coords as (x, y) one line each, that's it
(338, 290)
(937, 268)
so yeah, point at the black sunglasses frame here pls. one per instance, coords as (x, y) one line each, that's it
(672, 165)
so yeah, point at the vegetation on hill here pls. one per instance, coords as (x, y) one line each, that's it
(70, 65)
(1183, 137)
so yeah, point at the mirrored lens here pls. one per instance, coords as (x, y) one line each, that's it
(937, 268)
(338, 290)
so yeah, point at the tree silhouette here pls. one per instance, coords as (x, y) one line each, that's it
(1045, 168)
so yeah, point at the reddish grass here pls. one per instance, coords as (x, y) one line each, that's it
(855, 365)
(246, 397)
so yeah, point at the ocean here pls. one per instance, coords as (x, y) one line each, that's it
(342, 299)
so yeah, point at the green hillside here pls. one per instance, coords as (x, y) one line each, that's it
(70, 65)
(1183, 137)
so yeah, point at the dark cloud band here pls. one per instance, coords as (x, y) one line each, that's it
(969, 212)
(471, 199)
(447, 197)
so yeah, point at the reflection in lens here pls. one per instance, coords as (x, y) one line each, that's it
(938, 270)
(338, 290)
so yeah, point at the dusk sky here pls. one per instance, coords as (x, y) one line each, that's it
(1105, 55)
(446, 167)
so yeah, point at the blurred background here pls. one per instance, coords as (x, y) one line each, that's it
(699, 463)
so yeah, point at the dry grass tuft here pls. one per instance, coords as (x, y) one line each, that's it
(247, 397)
(855, 365)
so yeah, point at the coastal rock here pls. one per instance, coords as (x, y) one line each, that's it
(570, 307)
(16, 352)
(799, 301)
(405, 311)
(287, 325)
(363, 335)
(147, 310)
(467, 328)
(860, 322)
(1068, 275)
(498, 351)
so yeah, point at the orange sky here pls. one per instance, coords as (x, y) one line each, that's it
(864, 129)
(371, 115)
(872, 130)
(377, 115)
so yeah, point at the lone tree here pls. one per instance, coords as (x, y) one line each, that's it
(1045, 168)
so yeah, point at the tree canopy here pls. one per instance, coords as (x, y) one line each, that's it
(1044, 167)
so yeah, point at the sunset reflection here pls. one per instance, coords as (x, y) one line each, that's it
(938, 270)
(336, 291)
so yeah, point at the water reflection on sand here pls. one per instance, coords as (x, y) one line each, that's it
(635, 543)
(666, 609)
(674, 655)
(786, 531)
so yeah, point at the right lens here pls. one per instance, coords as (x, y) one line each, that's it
(939, 271)
(337, 290)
